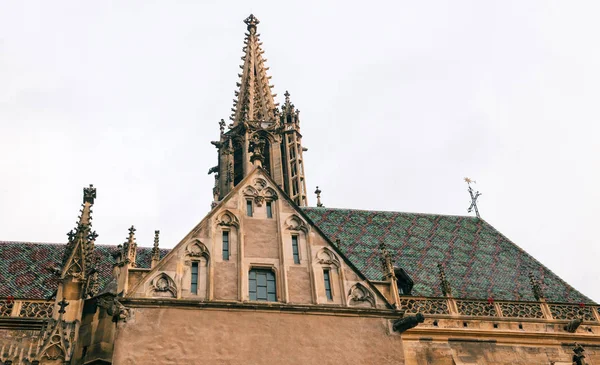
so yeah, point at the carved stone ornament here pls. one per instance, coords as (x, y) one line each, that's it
(326, 257)
(295, 223)
(578, 356)
(260, 184)
(259, 200)
(163, 286)
(360, 296)
(250, 191)
(228, 219)
(405, 323)
(196, 249)
(114, 308)
(270, 194)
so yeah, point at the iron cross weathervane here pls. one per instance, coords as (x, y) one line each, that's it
(474, 197)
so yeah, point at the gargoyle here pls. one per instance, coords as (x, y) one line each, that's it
(404, 324)
(114, 308)
(213, 169)
(573, 325)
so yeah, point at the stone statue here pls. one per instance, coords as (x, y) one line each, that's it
(405, 323)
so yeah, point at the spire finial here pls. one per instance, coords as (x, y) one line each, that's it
(318, 192)
(89, 194)
(474, 197)
(130, 247)
(251, 21)
(287, 97)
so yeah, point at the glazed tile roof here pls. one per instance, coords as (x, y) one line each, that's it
(26, 268)
(479, 261)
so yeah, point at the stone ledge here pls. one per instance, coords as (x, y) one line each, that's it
(270, 307)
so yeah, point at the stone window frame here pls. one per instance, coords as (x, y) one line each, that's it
(275, 271)
(191, 258)
(334, 266)
(296, 226)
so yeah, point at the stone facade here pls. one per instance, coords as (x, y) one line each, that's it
(263, 279)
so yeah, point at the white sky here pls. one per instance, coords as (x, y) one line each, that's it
(400, 101)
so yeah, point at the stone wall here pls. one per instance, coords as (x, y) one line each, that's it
(477, 352)
(215, 336)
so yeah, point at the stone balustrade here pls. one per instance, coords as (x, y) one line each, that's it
(26, 308)
(497, 308)
(445, 306)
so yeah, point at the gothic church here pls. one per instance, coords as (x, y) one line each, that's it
(266, 279)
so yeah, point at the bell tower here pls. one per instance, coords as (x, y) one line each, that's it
(261, 133)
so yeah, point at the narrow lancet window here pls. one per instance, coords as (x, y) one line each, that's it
(225, 245)
(295, 249)
(327, 284)
(249, 208)
(269, 210)
(194, 288)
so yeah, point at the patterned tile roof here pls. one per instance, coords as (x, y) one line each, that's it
(26, 268)
(479, 261)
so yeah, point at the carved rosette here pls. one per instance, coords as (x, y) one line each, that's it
(163, 286)
(361, 296)
(196, 249)
(327, 257)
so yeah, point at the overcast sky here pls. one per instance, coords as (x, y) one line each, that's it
(400, 101)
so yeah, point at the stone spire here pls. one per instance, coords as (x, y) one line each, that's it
(155, 250)
(254, 100)
(261, 134)
(78, 259)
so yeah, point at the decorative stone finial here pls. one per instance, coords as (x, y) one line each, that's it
(130, 247)
(474, 197)
(386, 261)
(62, 304)
(89, 194)
(251, 21)
(318, 192)
(446, 289)
(538, 294)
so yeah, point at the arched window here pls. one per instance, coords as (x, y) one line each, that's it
(261, 285)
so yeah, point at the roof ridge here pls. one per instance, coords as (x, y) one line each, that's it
(394, 212)
(64, 244)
